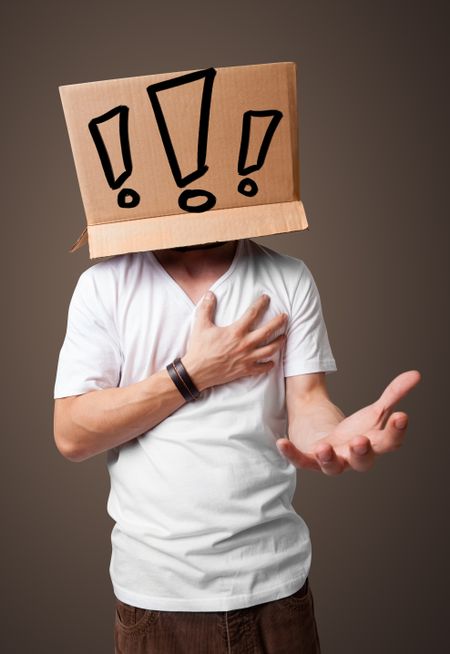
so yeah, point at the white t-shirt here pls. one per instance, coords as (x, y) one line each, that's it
(201, 502)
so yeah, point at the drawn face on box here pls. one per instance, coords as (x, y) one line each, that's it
(184, 158)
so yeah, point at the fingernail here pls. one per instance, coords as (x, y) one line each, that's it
(400, 423)
(208, 295)
(360, 449)
(324, 457)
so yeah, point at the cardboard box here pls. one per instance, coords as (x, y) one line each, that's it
(186, 158)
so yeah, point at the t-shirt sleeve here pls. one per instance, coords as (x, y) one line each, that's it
(307, 346)
(90, 357)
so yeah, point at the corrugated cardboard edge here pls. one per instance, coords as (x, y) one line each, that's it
(109, 239)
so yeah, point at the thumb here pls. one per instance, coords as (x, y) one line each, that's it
(206, 309)
(294, 455)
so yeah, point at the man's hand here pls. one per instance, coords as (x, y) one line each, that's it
(217, 355)
(353, 442)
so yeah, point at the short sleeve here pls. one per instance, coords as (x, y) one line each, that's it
(90, 357)
(307, 347)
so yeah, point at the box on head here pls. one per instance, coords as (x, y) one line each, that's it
(186, 158)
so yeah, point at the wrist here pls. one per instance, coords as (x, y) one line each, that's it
(194, 371)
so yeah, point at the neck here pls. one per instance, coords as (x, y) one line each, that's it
(197, 259)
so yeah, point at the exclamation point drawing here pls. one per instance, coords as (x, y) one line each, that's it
(127, 198)
(248, 186)
(182, 180)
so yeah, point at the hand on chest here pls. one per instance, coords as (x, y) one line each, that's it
(156, 326)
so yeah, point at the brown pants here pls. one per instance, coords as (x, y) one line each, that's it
(285, 626)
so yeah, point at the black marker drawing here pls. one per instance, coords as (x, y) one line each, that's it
(248, 186)
(127, 198)
(182, 180)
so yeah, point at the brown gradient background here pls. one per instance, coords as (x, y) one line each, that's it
(372, 92)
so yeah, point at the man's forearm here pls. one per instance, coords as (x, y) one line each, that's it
(314, 419)
(102, 419)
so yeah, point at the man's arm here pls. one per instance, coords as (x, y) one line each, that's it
(91, 423)
(322, 438)
(96, 421)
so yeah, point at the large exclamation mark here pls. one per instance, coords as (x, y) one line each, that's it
(248, 186)
(127, 197)
(209, 200)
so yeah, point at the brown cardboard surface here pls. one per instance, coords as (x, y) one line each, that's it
(185, 158)
(173, 231)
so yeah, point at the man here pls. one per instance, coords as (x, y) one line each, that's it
(192, 395)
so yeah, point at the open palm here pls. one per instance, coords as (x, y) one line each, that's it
(357, 439)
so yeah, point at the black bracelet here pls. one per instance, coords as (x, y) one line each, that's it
(185, 377)
(179, 383)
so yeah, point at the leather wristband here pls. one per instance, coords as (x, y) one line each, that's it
(185, 378)
(179, 383)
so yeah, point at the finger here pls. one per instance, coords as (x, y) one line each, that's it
(398, 388)
(362, 455)
(262, 334)
(392, 436)
(206, 309)
(295, 456)
(254, 311)
(328, 461)
(270, 349)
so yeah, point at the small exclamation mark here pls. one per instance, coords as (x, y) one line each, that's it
(248, 186)
(209, 200)
(127, 198)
